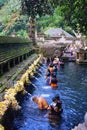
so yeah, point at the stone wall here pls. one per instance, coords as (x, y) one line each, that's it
(9, 97)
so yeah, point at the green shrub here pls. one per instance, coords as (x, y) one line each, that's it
(8, 39)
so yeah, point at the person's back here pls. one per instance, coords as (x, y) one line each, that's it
(47, 76)
(51, 68)
(55, 68)
(54, 81)
(41, 102)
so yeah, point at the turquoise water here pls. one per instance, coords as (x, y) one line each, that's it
(73, 93)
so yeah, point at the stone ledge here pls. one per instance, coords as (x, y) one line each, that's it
(15, 72)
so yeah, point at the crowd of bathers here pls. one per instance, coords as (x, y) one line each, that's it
(55, 108)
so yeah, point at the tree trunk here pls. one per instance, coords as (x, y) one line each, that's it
(32, 30)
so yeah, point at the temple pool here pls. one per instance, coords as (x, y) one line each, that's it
(73, 93)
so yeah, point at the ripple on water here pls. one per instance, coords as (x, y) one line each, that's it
(45, 95)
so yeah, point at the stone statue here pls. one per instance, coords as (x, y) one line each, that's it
(78, 34)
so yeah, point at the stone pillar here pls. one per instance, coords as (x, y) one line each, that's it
(1, 71)
(8, 65)
(19, 59)
(26, 55)
(13, 62)
(81, 57)
(22, 57)
(85, 56)
(77, 56)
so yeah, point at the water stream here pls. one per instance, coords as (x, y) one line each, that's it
(73, 93)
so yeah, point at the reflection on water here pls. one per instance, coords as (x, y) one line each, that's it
(73, 93)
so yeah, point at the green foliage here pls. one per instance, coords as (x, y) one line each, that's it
(3, 33)
(34, 8)
(1, 27)
(69, 30)
(55, 20)
(9, 39)
(75, 12)
(6, 19)
(10, 19)
(22, 33)
(47, 35)
(18, 25)
(2, 2)
(66, 14)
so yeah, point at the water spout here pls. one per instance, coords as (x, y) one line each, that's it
(39, 74)
(33, 85)
(29, 94)
(40, 71)
(35, 78)
(43, 67)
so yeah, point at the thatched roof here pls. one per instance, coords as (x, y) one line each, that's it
(58, 32)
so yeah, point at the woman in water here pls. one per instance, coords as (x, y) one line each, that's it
(55, 107)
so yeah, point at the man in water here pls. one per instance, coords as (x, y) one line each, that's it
(41, 102)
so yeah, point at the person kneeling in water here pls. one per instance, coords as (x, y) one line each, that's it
(55, 107)
(41, 102)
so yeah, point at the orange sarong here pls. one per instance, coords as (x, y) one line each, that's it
(54, 85)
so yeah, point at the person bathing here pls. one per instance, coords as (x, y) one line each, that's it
(41, 102)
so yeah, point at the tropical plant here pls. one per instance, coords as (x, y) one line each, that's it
(2, 2)
(35, 9)
(56, 20)
(75, 12)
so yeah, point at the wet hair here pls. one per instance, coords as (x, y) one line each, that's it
(51, 65)
(56, 98)
(34, 98)
(53, 99)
